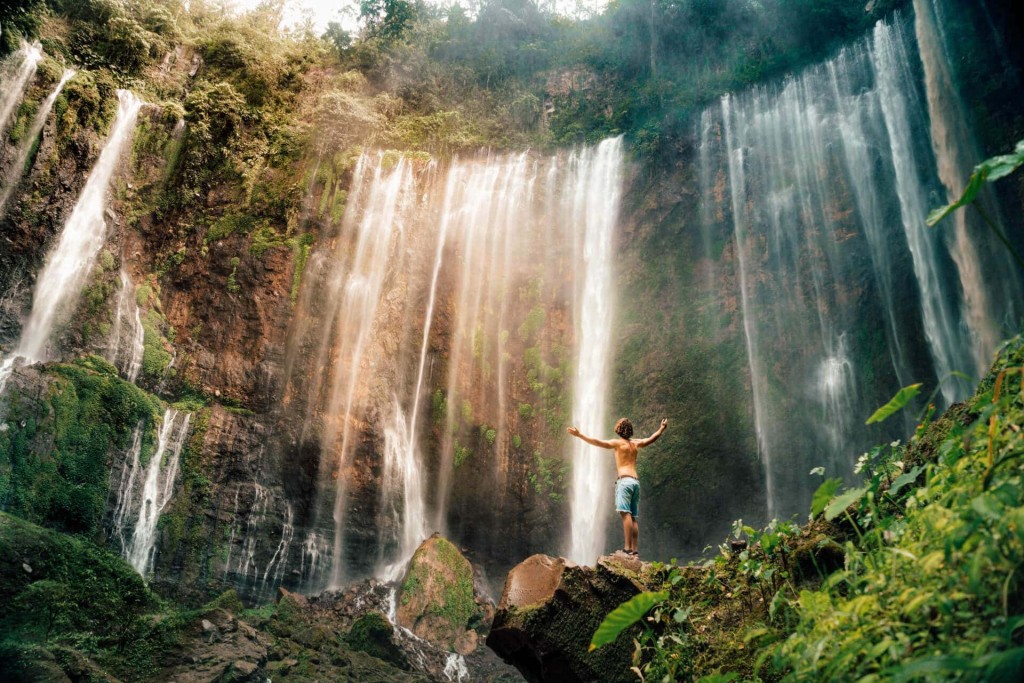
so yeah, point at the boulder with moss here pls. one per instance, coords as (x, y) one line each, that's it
(438, 600)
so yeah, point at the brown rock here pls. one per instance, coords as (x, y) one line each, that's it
(533, 581)
(549, 611)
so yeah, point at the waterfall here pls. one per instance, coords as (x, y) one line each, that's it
(21, 69)
(142, 496)
(358, 289)
(70, 262)
(125, 344)
(470, 258)
(28, 140)
(844, 294)
(595, 204)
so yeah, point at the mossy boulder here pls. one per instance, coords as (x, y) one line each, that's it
(549, 611)
(437, 600)
(53, 585)
(373, 634)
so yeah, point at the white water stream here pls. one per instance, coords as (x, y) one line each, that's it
(20, 69)
(17, 167)
(143, 494)
(595, 205)
(71, 260)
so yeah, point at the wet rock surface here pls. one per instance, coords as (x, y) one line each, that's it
(550, 609)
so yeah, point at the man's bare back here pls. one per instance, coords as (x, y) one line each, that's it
(627, 486)
(625, 449)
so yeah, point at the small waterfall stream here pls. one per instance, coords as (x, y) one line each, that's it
(144, 491)
(71, 260)
(21, 67)
(16, 169)
(125, 344)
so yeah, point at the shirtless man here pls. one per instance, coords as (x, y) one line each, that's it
(627, 486)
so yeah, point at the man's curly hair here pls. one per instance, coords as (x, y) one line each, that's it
(624, 428)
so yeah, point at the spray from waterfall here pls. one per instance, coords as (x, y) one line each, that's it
(594, 202)
(70, 262)
(23, 67)
(472, 255)
(28, 141)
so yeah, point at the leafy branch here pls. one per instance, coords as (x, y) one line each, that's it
(989, 170)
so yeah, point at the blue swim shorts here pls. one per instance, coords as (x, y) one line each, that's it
(627, 496)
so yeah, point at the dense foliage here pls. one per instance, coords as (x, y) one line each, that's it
(87, 414)
(913, 574)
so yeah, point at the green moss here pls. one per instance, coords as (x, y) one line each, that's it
(373, 634)
(302, 246)
(155, 356)
(265, 238)
(54, 457)
(232, 284)
(461, 454)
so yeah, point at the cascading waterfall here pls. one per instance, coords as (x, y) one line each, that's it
(485, 212)
(595, 202)
(143, 496)
(830, 177)
(28, 140)
(472, 254)
(70, 262)
(22, 67)
(126, 343)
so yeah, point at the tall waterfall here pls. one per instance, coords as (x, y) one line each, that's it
(844, 294)
(28, 141)
(71, 260)
(596, 204)
(20, 69)
(442, 316)
(144, 491)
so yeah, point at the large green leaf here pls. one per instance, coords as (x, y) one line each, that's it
(824, 494)
(624, 616)
(839, 505)
(898, 403)
(987, 171)
(907, 478)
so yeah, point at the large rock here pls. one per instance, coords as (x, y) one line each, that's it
(438, 601)
(549, 611)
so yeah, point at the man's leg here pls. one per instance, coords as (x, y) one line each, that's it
(627, 529)
(635, 535)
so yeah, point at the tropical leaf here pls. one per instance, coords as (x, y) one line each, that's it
(839, 505)
(896, 404)
(987, 171)
(907, 478)
(624, 616)
(825, 493)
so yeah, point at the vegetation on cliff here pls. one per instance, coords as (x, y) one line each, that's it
(914, 574)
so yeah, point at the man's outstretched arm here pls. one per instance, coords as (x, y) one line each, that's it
(592, 441)
(653, 437)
